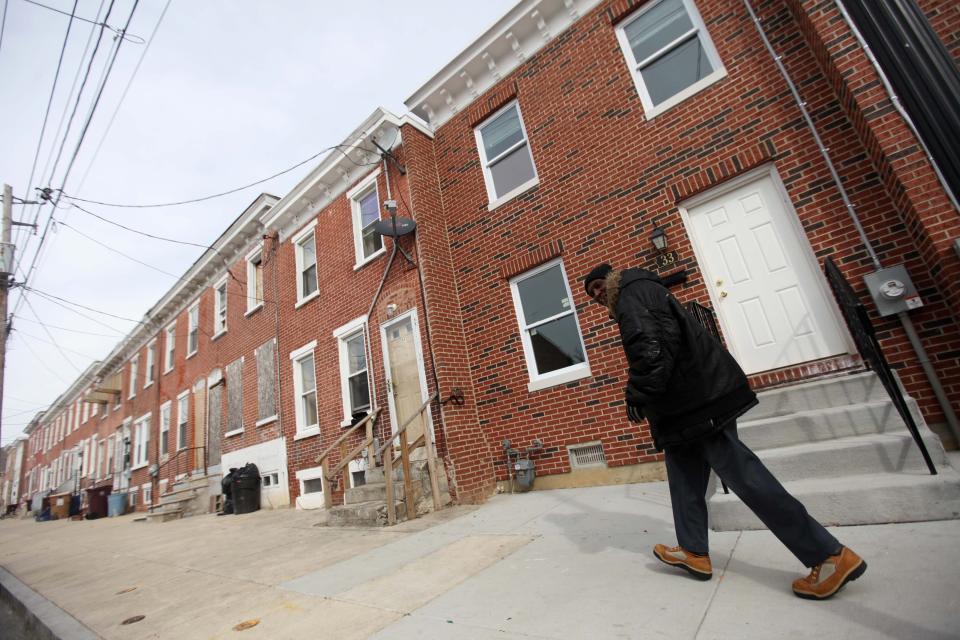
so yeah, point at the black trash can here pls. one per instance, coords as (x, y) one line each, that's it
(246, 489)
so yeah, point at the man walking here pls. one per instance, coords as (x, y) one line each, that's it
(692, 391)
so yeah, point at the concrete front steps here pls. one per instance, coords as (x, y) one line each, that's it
(366, 505)
(190, 496)
(840, 447)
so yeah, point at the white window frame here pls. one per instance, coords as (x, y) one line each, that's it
(147, 493)
(253, 302)
(220, 308)
(165, 412)
(86, 412)
(132, 492)
(141, 443)
(342, 334)
(298, 242)
(149, 374)
(170, 347)
(310, 500)
(183, 400)
(304, 430)
(193, 327)
(573, 372)
(699, 30)
(134, 370)
(354, 196)
(76, 416)
(492, 197)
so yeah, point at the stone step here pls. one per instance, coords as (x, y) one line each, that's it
(364, 514)
(373, 491)
(817, 425)
(178, 495)
(874, 453)
(876, 498)
(835, 391)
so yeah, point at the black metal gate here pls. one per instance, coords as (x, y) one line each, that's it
(855, 314)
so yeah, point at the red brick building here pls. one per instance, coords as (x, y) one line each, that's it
(568, 134)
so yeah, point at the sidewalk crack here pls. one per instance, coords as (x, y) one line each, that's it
(716, 586)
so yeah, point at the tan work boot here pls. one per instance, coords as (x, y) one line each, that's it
(697, 566)
(829, 576)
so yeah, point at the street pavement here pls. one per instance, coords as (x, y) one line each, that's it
(572, 563)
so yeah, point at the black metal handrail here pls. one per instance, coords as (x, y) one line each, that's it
(858, 321)
(181, 454)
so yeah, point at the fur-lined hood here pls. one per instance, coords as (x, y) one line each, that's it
(617, 279)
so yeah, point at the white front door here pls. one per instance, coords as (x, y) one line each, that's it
(761, 272)
(406, 379)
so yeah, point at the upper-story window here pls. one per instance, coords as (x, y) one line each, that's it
(305, 245)
(183, 412)
(670, 52)
(305, 389)
(170, 345)
(508, 167)
(134, 366)
(549, 329)
(365, 205)
(254, 280)
(193, 329)
(220, 308)
(141, 441)
(149, 373)
(165, 428)
(354, 383)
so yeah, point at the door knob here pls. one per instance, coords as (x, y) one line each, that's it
(723, 294)
(719, 282)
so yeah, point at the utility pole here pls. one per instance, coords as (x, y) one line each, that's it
(6, 268)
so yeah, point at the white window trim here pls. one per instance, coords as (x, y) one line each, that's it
(340, 333)
(168, 406)
(134, 366)
(310, 500)
(195, 305)
(253, 303)
(217, 332)
(352, 196)
(649, 110)
(147, 493)
(169, 332)
(298, 255)
(265, 421)
(493, 199)
(560, 376)
(301, 430)
(146, 450)
(181, 396)
(149, 367)
(235, 432)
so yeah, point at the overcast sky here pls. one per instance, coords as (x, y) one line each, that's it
(228, 92)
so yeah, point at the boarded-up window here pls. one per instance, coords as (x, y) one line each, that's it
(235, 395)
(266, 380)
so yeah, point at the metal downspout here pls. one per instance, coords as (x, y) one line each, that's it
(908, 327)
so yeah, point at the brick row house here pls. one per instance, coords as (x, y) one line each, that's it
(572, 132)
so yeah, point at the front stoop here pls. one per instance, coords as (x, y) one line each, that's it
(840, 447)
(366, 505)
(190, 497)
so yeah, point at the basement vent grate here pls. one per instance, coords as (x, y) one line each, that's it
(587, 455)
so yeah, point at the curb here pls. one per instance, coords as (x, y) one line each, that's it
(43, 619)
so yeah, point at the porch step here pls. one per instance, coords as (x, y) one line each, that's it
(373, 491)
(840, 447)
(877, 498)
(364, 514)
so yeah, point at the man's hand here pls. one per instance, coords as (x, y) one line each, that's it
(634, 413)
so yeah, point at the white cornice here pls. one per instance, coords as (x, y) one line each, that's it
(512, 40)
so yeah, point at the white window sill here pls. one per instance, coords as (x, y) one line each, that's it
(265, 421)
(148, 385)
(235, 432)
(373, 256)
(562, 377)
(190, 355)
(166, 371)
(217, 335)
(687, 93)
(526, 186)
(307, 433)
(304, 301)
(253, 310)
(139, 466)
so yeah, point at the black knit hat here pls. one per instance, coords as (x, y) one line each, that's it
(598, 272)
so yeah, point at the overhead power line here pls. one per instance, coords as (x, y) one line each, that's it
(53, 341)
(122, 33)
(44, 294)
(59, 348)
(53, 326)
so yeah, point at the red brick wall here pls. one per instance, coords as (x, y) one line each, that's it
(944, 17)
(607, 175)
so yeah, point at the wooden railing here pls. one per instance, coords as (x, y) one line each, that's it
(346, 457)
(425, 440)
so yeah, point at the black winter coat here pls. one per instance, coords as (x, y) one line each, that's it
(686, 383)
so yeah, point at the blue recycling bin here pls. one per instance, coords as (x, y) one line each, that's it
(116, 504)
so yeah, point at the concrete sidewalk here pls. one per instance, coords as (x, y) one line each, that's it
(573, 563)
